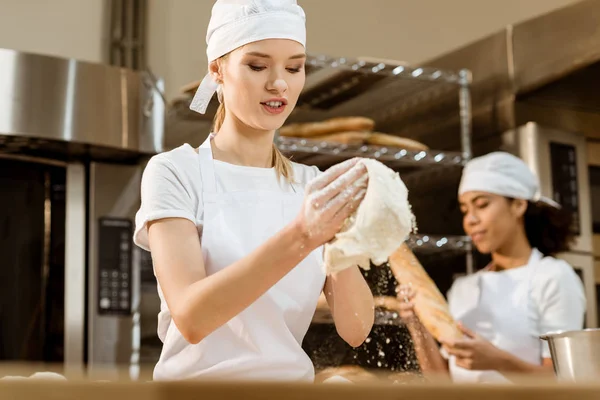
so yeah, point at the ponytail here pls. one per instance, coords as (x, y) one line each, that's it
(548, 228)
(219, 118)
(283, 166)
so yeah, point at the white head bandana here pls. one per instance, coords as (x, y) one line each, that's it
(502, 174)
(234, 23)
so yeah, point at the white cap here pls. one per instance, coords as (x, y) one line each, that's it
(234, 23)
(503, 174)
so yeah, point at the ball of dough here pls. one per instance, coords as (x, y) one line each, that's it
(377, 228)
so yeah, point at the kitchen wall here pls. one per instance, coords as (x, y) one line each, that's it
(406, 30)
(66, 28)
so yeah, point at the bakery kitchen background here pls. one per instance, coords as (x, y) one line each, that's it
(75, 137)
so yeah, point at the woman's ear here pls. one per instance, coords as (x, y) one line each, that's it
(519, 207)
(215, 69)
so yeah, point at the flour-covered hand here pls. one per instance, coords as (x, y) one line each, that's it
(330, 199)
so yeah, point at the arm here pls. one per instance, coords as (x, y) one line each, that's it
(509, 364)
(200, 304)
(475, 353)
(426, 348)
(351, 303)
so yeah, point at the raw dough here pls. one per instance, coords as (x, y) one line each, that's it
(377, 228)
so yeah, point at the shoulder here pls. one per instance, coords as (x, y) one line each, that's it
(554, 276)
(554, 269)
(304, 173)
(180, 160)
(178, 166)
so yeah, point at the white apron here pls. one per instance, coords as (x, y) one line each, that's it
(264, 341)
(495, 305)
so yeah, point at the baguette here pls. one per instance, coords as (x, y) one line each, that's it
(384, 139)
(329, 126)
(344, 138)
(430, 305)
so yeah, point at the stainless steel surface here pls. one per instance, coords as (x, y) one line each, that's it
(575, 354)
(531, 142)
(75, 266)
(113, 192)
(465, 107)
(325, 154)
(436, 243)
(59, 100)
(509, 67)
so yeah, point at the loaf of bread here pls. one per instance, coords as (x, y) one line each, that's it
(384, 139)
(356, 137)
(430, 305)
(329, 126)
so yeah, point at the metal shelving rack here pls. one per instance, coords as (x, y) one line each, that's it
(387, 92)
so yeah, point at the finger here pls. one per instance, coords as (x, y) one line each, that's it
(342, 208)
(466, 363)
(352, 180)
(405, 292)
(459, 353)
(466, 331)
(330, 175)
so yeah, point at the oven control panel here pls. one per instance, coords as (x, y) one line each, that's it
(114, 266)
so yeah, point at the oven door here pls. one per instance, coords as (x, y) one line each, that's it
(32, 244)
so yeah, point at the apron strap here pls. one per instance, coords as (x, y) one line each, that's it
(207, 169)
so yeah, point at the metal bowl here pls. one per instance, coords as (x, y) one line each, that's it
(575, 354)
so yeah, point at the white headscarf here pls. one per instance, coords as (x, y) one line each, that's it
(502, 174)
(234, 23)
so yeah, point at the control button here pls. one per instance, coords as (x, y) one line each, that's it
(115, 274)
(124, 304)
(124, 293)
(104, 274)
(104, 303)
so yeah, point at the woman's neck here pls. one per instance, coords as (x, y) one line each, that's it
(513, 254)
(236, 143)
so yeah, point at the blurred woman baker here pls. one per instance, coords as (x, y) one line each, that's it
(523, 293)
(234, 230)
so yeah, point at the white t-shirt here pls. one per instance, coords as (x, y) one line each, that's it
(555, 300)
(172, 188)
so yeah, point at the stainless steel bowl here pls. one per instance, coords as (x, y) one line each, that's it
(575, 354)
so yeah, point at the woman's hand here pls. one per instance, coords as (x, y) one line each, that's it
(406, 308)
(474, 352)
(331, 198)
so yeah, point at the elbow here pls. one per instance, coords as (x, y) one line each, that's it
(188, 330)
(356, 335)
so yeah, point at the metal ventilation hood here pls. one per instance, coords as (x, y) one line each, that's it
(66, 109)
(546, 70)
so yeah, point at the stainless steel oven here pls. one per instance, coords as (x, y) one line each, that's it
(74, 137)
